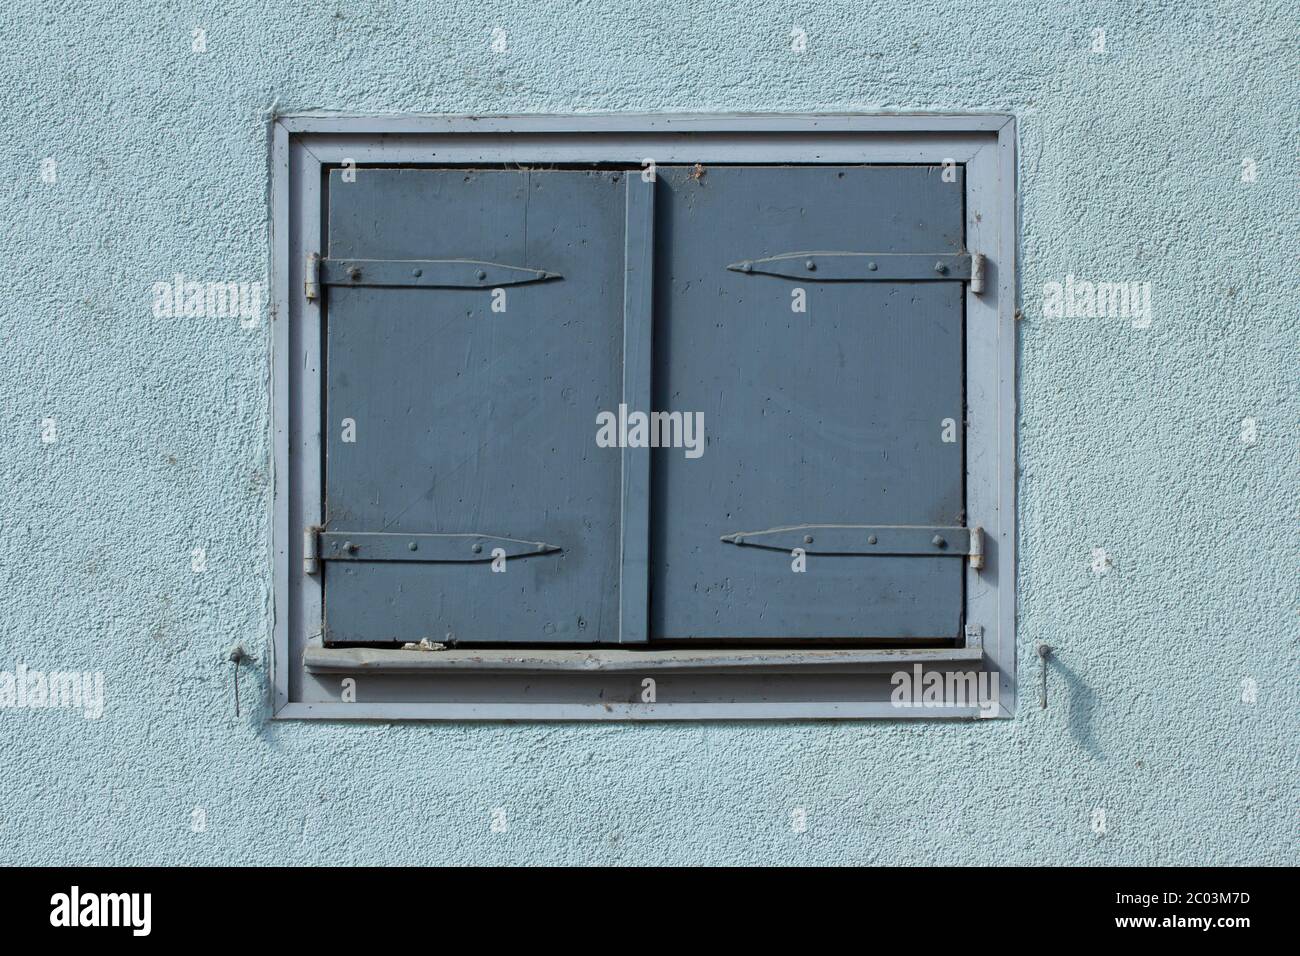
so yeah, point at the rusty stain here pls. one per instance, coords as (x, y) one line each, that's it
(697, 173)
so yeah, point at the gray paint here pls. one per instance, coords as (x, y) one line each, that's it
(940, 266)
(860, 539)
(386, 546)
(428, 273)
(825, 416)
(983, 143)
(638, 340)
(471, 421)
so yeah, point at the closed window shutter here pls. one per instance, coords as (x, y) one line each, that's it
(815, 316)
(471, 428)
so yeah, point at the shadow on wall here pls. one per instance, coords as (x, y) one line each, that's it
(1080, 705)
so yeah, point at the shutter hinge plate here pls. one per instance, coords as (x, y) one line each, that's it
(859, 539)
(428, 273)
(387, 546)
(861, 266)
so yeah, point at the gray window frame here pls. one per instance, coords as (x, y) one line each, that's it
(606, 684)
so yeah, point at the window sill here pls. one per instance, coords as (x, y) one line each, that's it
(335, 660)
(363, 683)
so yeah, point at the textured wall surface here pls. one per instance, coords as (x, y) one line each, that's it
(1173, 706)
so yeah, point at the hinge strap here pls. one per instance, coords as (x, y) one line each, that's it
(858, 539)
(861, 266)
(456, 547)
(428, 273)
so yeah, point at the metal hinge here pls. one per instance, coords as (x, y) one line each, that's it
(427, 273)
(311, 276)
(320, 545)
(977, 273)
(858, 539)
(311, 550)
(860, 266)
(976, 553)
(866, 540)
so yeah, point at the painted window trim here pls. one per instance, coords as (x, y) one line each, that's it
(572, 685)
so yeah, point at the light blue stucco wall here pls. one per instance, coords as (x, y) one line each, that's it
(1131, 441)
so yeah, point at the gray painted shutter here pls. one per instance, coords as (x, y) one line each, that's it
(829, 417)
(474, 429)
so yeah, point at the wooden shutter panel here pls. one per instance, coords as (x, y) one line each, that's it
(831, 417)
(473, 428)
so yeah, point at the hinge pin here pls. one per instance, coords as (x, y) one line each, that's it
(977, 548)
(311, 278)
(310, 552)
(977, 273)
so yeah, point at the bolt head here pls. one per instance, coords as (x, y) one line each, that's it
(478, 548)
(807, 539)
(480, 275)
(940, 268)
(417, 272)
(938, 541)
(412, 547)
(810, 266)
(871, 539)
(354, 273)
(871, 267)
